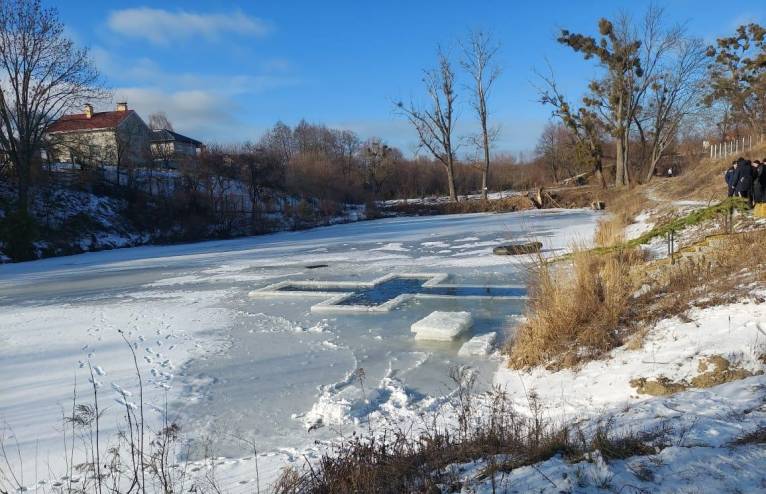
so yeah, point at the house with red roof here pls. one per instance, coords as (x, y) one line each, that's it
(118, 137)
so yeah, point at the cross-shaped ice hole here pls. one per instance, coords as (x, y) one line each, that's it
(386, 292)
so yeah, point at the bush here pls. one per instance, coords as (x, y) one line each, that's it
(18, 232)
(572, 315)
(504, 440)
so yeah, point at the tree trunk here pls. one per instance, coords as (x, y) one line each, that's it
(653, 160)
(599, 169)
(23, 196)
(485, 172)
(619, 163)
(451, 179)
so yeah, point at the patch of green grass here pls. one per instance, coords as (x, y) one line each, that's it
(677, 224)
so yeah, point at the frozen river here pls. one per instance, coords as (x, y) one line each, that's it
(266, 367)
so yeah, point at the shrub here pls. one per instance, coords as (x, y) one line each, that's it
(18, 232)
(398, 462)
(573, 314)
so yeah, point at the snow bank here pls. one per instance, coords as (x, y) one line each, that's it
(672, 349)
(699, 452)
(442, 326)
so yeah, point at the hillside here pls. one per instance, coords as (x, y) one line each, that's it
(73, 218)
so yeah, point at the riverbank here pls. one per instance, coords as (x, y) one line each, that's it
(668, 395)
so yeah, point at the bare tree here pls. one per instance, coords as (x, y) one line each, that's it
(584, 124)
(375, 155)
(631, 56)
(43, 75)
(435, 124)
(159, 121)
(280, 139)
(556, 146)
(131, 149)
(674, 95)
(479, 52)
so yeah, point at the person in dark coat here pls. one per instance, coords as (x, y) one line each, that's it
(743, 178)
(729, 177)
(759, 183)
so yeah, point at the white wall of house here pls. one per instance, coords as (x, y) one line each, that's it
(126, 145)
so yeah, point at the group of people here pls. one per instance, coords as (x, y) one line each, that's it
(747, 179)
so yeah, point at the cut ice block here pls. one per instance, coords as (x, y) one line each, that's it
(478, 345)
(442, 326)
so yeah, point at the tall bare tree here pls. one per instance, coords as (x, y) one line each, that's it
(583, 122)
(436, 122)
(556, 146)
(43, 75)
(479, 52)
(631, 54)
(674, 95)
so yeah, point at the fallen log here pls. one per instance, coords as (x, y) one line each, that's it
(518, 248)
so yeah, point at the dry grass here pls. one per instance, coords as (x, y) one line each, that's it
(724, 274)
(623, 207)
(579, 311)
(713, 370)
(704, 180)
(399, 462)
(573, 314)
(758, 436)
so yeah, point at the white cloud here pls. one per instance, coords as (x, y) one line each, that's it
(162, 26)
(202, 114)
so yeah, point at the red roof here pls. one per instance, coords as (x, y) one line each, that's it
(99, 120)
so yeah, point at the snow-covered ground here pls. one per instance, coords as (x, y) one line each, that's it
(697, 449)
(697, 454)
(266, 368)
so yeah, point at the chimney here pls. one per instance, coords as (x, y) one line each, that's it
(88, 110)
(122, 106)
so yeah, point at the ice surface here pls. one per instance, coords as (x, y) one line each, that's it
(442, 326)
(478, 345)
(268, 367)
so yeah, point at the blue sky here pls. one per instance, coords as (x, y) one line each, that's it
(225, 71)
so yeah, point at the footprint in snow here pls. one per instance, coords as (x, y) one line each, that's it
(100, 371)
(148, 359)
